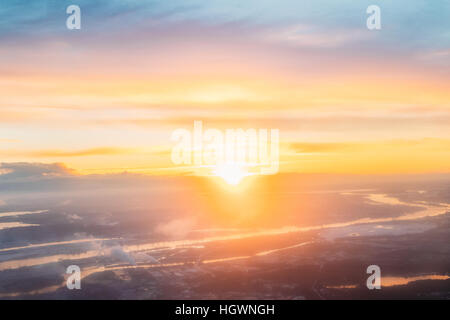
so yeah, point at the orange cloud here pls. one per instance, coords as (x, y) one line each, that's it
(62, 153)
(376, 157)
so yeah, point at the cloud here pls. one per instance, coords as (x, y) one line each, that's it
(72, 217)
(435, 56)
(20, 213)
(37, 17)
(310, 36)
(118, 253)
(13, 171)
(7, 116)
(177, 228)
(12, 225)
(143, 257)
(322, 147)
(63, 183)
(428, 145)
(77, 153)
(23, 176)
(9, 140)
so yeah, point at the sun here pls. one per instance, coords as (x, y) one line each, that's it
(232, 173)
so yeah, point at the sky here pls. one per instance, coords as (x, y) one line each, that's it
(106, 98)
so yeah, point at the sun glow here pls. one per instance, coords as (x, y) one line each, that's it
(232, 173)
